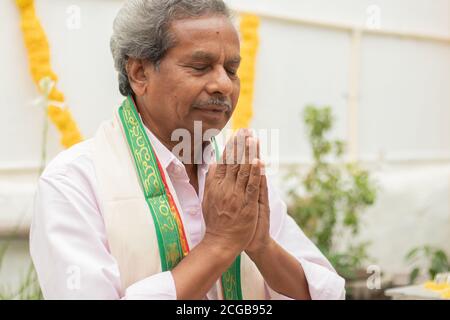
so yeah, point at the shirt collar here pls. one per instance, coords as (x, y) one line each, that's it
(166, 157)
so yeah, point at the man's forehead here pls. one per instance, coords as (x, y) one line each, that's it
(206, 23)
(204, 29)
(205, 39)
(204, 55)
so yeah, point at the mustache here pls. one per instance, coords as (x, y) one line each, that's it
(218, 101)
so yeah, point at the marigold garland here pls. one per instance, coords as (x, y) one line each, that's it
(243, 114)
(38, 50)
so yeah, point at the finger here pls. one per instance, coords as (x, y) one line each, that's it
(234, 157)
(258, 152)
(245, 166)
(222, 162)
(253, 152)
(214, 171)
(263, 201)
(254, 180)
(263, 191)
(250, 144)
(231, 162)
(241, 146)
(236, 146)
(220, 170)
(228, 152)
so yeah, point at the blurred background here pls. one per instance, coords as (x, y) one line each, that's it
(372, 78)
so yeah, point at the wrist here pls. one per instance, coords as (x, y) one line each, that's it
(263, 251)
(220, 248)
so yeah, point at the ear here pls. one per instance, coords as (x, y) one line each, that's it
(137, 75)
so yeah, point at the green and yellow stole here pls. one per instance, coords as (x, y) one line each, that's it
(172, 240)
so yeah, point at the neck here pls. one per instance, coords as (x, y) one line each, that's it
(164, 135)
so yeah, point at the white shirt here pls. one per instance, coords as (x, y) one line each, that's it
(69, 246)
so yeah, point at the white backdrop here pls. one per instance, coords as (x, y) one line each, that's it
(403, 100)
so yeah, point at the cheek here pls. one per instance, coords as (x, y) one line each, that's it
(183, 100)
(177, 95)
(188, 93)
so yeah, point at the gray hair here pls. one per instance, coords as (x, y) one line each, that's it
(141, 30)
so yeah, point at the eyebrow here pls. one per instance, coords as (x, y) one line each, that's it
(202, 55)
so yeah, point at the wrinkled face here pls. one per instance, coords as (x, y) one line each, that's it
(197, 79)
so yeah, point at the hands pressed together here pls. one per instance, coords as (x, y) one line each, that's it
(237, 217)
(235, 204)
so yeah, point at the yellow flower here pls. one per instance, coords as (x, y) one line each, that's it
(39, 59)
(446, 294)
(442, 288)
(24, 3)
(243, 114)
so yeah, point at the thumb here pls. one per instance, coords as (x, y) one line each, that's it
(211, 170)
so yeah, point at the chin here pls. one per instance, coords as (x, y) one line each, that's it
(218, 125)
(212, 121)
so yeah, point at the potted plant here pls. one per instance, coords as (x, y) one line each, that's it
(426, 261)
(327, 200)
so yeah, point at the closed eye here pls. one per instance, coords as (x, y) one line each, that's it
(232, 72)
(200, 68)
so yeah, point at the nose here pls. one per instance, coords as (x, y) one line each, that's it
(220, 82)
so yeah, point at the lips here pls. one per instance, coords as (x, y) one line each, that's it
(214, 108)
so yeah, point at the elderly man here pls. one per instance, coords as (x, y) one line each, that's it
(120, 216)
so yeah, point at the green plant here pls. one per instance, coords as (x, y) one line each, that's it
(427, 260)
(29, 288)
(327, 201)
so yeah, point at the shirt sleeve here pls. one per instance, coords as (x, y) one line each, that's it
(69, 247)
(323, 281)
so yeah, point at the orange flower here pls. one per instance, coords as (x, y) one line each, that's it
(38, 50)
(243, 114)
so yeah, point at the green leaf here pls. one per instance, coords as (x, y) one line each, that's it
(412, 254)
(413, 275)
